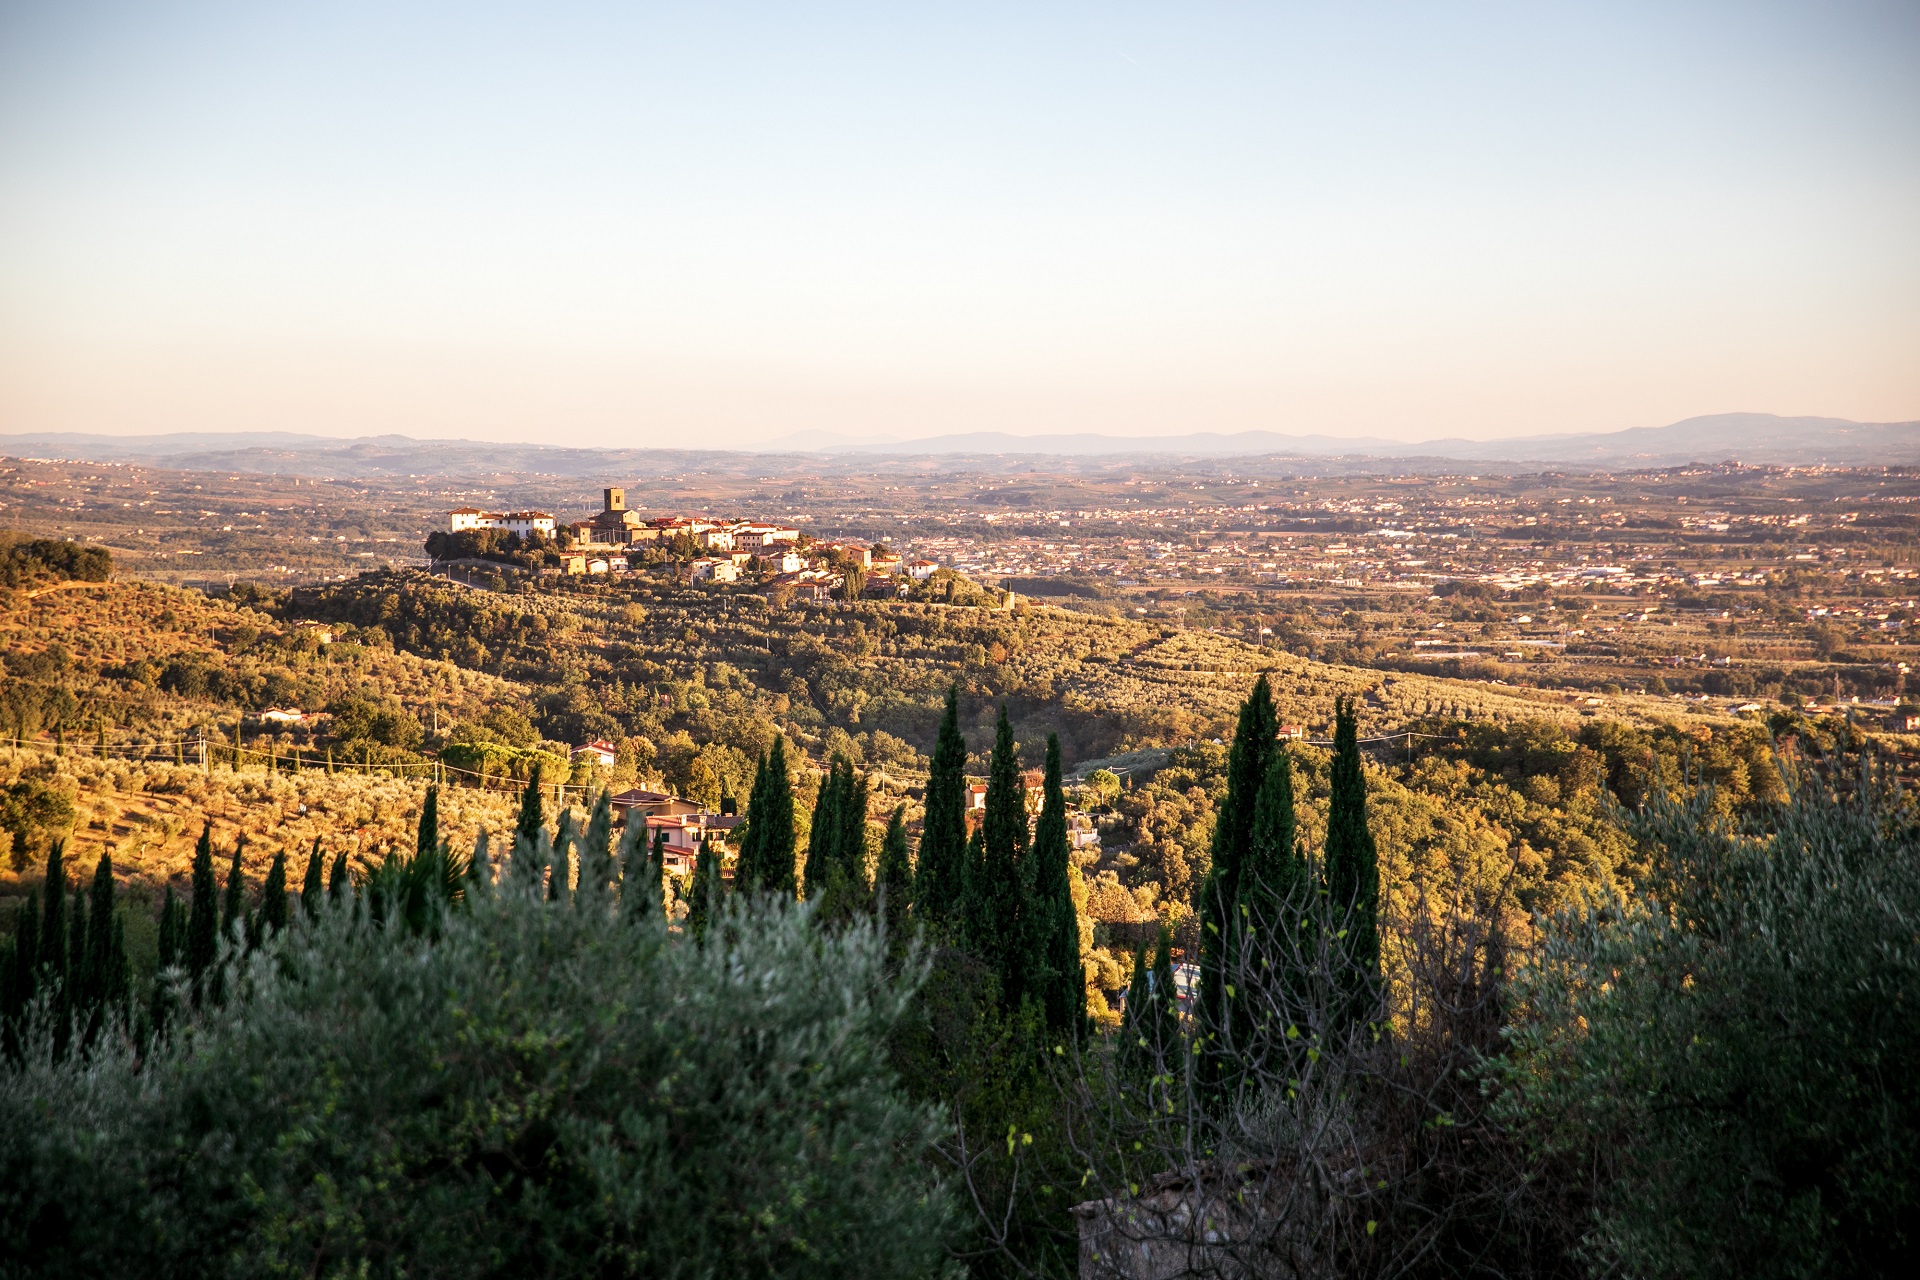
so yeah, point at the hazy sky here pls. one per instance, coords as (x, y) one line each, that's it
(720, 224)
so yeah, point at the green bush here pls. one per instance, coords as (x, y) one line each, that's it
(34, 559)
(546, 1088)
(1733, 1048)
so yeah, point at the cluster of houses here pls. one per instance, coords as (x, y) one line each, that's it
(609, 541)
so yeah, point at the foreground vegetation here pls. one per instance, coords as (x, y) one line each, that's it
(1514, 991)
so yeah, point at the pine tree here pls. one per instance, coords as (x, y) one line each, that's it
(311, 885)
(1053, 940)
(532, 819)
(1352, 873)
(705, 900)
(894, 878)
(940, 879)
(233, 907)
(1221, 950)
(203, 914)
(273, 896)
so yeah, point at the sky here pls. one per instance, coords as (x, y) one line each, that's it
(726, 224)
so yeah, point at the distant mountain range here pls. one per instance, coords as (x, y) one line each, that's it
(1753, 438)
(1757, 438)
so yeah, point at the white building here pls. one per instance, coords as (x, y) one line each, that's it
(599, 751)
(524, 523)
(781, 559)
(713, 571)
(921, 570)
(462, 519)
(753, 537)
(527, 523)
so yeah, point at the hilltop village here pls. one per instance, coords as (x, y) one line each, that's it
(619, 540)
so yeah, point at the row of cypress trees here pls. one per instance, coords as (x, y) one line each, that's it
(993, 891)
(74, 954)
(1261, 879)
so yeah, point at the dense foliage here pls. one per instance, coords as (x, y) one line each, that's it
(525, 1086)
(1731, 1047)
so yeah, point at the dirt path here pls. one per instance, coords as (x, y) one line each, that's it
(37, 592)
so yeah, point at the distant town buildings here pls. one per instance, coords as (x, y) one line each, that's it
(524, 523)
(710, 550)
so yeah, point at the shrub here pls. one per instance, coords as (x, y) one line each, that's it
(1733, 1047)
(545, 1088)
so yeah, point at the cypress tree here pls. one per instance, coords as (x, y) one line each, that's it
(479, 880)
(1352, 873)
(657, 866)
(339, 880)
(78, 984)
(635, 867)
(778, 840)
(564, 841)
(1220, 936)
(705, 899)
(310, 884)
(856, 797)
(767, 852)
(940, 879)
(1136, 1022)
(746, 864)
(99, 963)
(233, 907)
(1165, 994)
(273, 896)
(203, 913)
(894, 878)
(53, 914)
(1004, 880)
(532, 819)
(1276, 896)
(596, 851)
(823, 837)
(22, 971)
(56, 953)
(119, 980)
(426, 838)
(172, 930)
(1053, 942)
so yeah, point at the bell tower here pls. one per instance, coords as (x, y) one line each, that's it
(616, 499)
